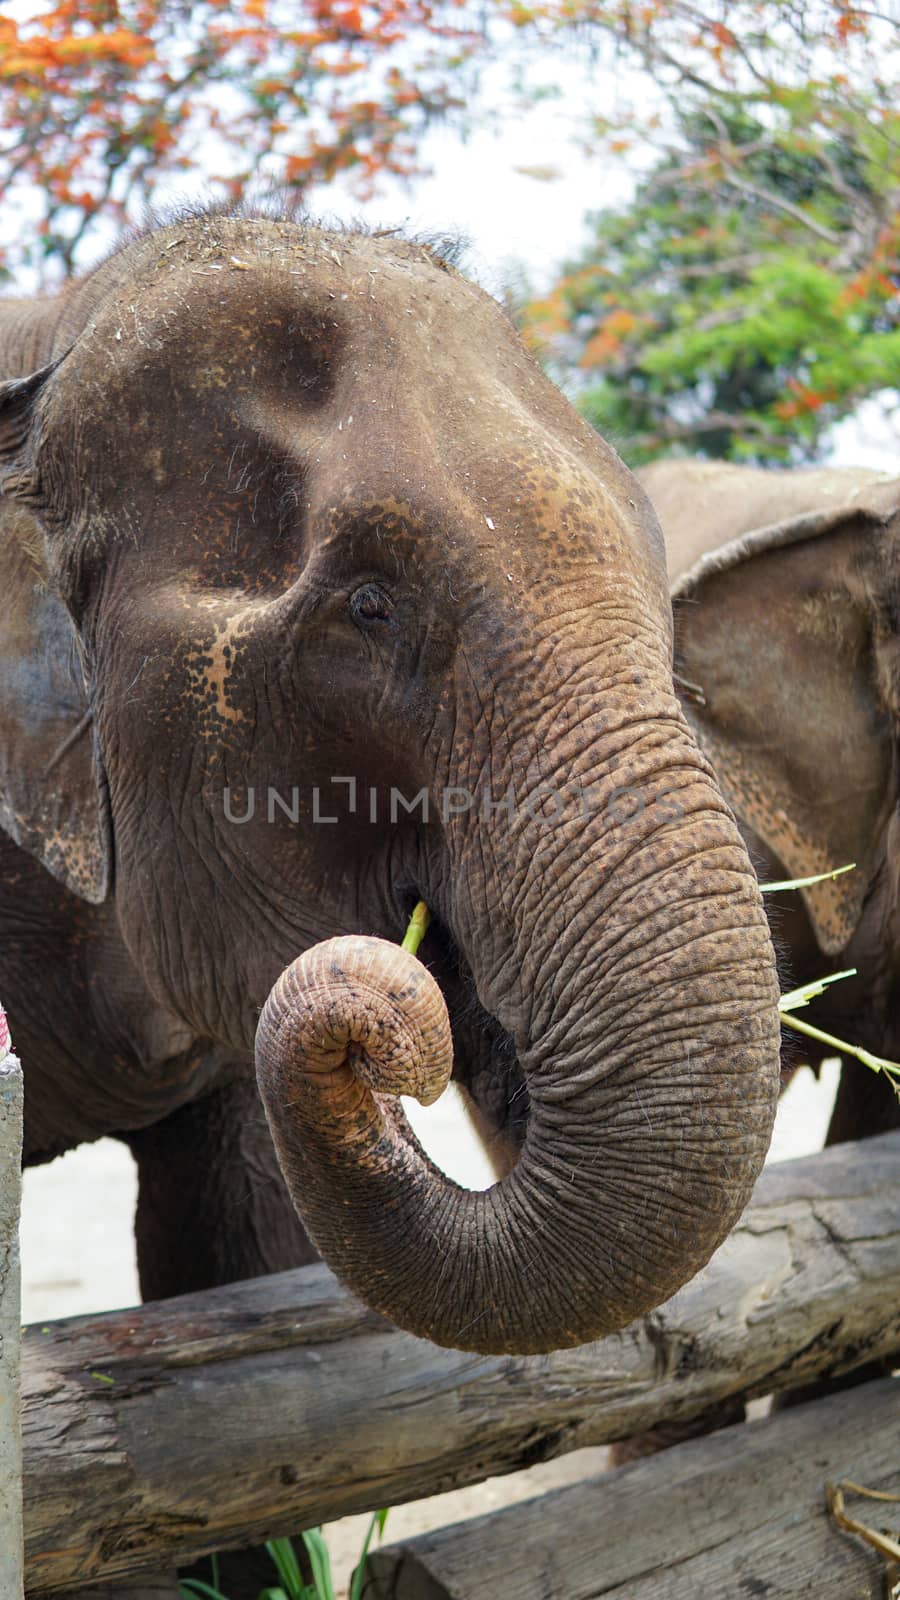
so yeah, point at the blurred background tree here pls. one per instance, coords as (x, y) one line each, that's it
(743, 301)
(104, 102)
(748, 297)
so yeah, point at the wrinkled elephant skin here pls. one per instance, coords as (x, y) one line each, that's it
(785, 589)
(290, 513)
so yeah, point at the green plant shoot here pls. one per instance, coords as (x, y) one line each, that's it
(805, 883)
(284, 1557)
(415, 932)
(796, 998)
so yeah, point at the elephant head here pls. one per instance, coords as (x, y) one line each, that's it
(330, 603)
(786, 652)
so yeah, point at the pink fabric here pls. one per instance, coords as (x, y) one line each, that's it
(5, 1041)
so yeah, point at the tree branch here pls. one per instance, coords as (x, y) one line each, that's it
(778, 203)
(711, 421)
(716, 269)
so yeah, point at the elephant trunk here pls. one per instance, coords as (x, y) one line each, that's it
(633, 970)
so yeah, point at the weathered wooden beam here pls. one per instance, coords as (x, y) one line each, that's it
(11, 1553)
(141, 1588)
(741, 1512)
(155, 1435)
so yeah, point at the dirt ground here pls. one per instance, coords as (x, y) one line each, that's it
(78, 1256)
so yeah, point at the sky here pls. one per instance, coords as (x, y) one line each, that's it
(478, 188)
(518, 223)
(512, 220)
(520, 227)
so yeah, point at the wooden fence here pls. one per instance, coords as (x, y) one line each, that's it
(736, 1514)
(156, 1435)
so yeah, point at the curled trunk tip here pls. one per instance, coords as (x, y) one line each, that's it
(353, 1010)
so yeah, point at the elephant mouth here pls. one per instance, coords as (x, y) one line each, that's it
(485, 1062)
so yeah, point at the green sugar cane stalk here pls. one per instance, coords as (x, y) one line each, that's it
(416, 929)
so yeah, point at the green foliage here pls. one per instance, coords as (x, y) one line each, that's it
(104, 102)
(359, 1573)
(292, 1585)
(749, 296)
(795, 999)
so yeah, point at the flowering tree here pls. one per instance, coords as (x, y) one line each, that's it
(746, 298)
(101, 101)
(749, 296)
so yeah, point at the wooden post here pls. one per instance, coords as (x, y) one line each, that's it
(156, 1435)
(11, 1550)
(738, 1513)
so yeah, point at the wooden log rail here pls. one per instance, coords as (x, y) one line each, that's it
(739, 1513)
(156, 1435)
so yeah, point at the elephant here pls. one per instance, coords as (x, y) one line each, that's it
(321, 600)
(784, 586)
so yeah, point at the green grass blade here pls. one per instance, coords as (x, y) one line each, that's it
(796, 998)
(317, 1550)
(188, 1588)
(806, 883)
(284, 1556)
(379, 1518)
(890, 1069)
(810, 991)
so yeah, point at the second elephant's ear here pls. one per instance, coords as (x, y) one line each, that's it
(786, 648)
(52, 792)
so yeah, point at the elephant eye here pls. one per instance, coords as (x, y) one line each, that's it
(370, 606)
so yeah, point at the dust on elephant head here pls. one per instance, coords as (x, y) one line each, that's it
(785, 588)
(326, 601)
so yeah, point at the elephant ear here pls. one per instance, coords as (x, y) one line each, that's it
(786, 656)
(52, 794)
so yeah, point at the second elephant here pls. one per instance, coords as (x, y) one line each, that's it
(786, 588)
